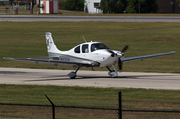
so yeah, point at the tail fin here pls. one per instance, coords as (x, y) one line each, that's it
(51, 47)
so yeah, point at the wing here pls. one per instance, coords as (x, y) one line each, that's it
(55, 62)
(146, 56)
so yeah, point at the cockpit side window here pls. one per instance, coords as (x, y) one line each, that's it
(85, 48)
(77, 49)
(98, 46)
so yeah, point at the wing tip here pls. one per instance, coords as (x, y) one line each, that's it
(8, 58)
(173, 51)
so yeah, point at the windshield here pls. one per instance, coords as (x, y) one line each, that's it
(98, 46)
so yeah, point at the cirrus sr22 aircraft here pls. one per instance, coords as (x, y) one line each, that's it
(88, 54)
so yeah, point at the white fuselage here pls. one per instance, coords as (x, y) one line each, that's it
(94, 53)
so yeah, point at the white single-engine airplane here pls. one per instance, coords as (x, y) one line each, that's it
(88, 54)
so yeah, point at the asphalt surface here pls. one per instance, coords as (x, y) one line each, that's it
(88, 18)
(90, 79)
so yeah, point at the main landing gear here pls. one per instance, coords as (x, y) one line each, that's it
(112, 73)
(72, 75)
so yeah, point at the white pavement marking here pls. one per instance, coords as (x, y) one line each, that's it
(167, 81)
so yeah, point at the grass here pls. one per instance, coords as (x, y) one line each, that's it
(90, 97)
(140, 99)
(26, 39)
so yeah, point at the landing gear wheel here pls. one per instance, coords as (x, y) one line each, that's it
(113, 74)
(73, 77)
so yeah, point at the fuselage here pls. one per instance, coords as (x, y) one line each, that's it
(94, 53)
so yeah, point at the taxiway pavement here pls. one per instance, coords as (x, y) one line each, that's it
(23, 76)
(89, 18)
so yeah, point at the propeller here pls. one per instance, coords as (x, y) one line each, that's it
(122, 52)
(125, 48)
(119, 55)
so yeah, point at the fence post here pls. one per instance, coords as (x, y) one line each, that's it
(53, 107)
(120, 105)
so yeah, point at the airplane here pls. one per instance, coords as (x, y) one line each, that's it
(88, 54)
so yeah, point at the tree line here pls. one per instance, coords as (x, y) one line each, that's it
(74, 5)
(116, 6)
(129, 6)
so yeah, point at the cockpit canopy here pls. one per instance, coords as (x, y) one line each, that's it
(98, 46)
(92, 47)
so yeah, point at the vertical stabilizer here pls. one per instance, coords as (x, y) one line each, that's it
(51, 47)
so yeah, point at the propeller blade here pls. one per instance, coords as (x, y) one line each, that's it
(112, 53)
(122, 52)
(120, 64)
(125, 48)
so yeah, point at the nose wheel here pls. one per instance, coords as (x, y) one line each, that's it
(112, 73)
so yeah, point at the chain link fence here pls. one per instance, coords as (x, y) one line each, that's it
(132, 108)
(149, 115)
(19, 9)
(24, 9)
(45, 112)
(20, 112)
(65, 112)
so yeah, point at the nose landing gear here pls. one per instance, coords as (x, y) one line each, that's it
(112, 73)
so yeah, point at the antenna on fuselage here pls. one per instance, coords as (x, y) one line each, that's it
(84, 39)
